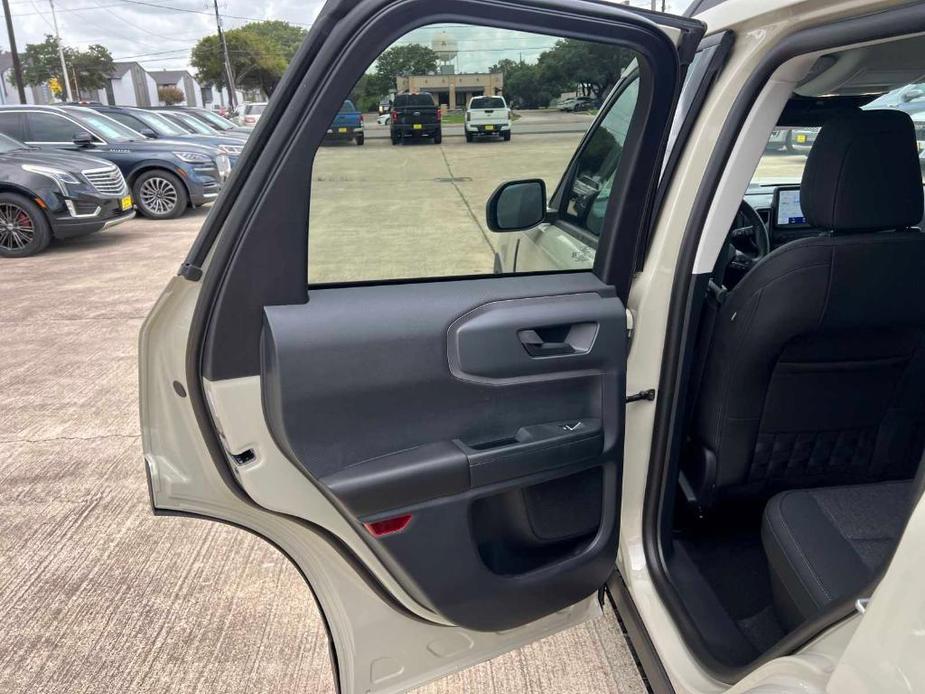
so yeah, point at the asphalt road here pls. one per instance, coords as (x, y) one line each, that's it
(96, 595)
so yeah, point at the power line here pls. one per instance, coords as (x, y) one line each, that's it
(139, 28)
(204, 12)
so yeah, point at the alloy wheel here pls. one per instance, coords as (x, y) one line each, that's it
(158, 195)
(16, 227)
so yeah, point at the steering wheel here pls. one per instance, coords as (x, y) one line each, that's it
(752, 234)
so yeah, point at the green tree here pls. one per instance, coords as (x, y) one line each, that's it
(89, 69)
(170, 95)
(523, 85)
(408, 59)
(259, 52)
(594, 68)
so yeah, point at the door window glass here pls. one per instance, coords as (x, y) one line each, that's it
(48, 127)
(588, 193)
(10, 124)
(400, 193)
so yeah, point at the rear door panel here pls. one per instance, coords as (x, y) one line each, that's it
(424, 400)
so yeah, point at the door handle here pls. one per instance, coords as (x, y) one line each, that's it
(536, 346)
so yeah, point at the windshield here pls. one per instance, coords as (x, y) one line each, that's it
(347, 107)
(216, 120)
(487, 102)
(193, 123)
(8, 144)
(158, 123)
(107, 128)
(254, 109)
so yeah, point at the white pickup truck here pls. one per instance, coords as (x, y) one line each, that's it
(487, 116)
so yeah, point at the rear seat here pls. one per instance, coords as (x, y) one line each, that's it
(827, 544)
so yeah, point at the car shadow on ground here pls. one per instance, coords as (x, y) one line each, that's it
(115, 237)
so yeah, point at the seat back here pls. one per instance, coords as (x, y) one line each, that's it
(816, 369)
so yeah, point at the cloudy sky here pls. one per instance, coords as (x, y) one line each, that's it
(160, 33)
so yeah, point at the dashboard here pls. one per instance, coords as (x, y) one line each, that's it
(778, 205)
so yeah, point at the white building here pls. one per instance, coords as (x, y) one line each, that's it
(39, 94)
(218, 96)
(182, 80)
(129, 85)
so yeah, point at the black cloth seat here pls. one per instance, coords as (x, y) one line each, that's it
(814, 372)
(829, 543)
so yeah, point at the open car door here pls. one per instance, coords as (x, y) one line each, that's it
(435, 444)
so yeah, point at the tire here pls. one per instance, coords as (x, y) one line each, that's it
(506, 135)
(360, 140)
(438, 137)
(395, 140)
(160, 195)
(788, 143)
(24, 229)
(469, 137)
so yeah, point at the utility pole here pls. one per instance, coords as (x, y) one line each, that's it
(17, 68)
(67, 80)
(229, 75)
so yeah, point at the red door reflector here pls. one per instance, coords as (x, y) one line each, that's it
(388, 526)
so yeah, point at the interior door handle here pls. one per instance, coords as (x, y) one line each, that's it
(536, 346)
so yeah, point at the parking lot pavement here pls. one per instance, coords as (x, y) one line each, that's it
(96, 595)
(418, 210)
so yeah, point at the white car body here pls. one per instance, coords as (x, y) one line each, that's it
(250, 113)
(487, 115)
(385, 638)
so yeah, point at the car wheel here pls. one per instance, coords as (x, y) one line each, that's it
(360, 139)
(469, 137)
(395, 140)
(24, 230)
(506, 135)
(438, 137)
(160, 195)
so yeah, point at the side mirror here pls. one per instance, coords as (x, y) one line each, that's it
(517, 205)
(82, 139)
(148, 133)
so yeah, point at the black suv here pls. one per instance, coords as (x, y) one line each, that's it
(415, 116)
(166, 176)
(45, 195)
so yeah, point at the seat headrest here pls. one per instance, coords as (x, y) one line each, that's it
(863, 173)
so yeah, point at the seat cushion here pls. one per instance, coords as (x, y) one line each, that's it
(827, 544)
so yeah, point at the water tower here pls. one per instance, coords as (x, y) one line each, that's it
(446, 48)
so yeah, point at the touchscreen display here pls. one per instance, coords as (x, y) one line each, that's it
(789, 212)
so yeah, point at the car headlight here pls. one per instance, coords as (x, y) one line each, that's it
(223, 164)
(230, 149)
(62, 178)
(193, 157)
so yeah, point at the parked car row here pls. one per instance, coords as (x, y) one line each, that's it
(70, 170)
(417, 116)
